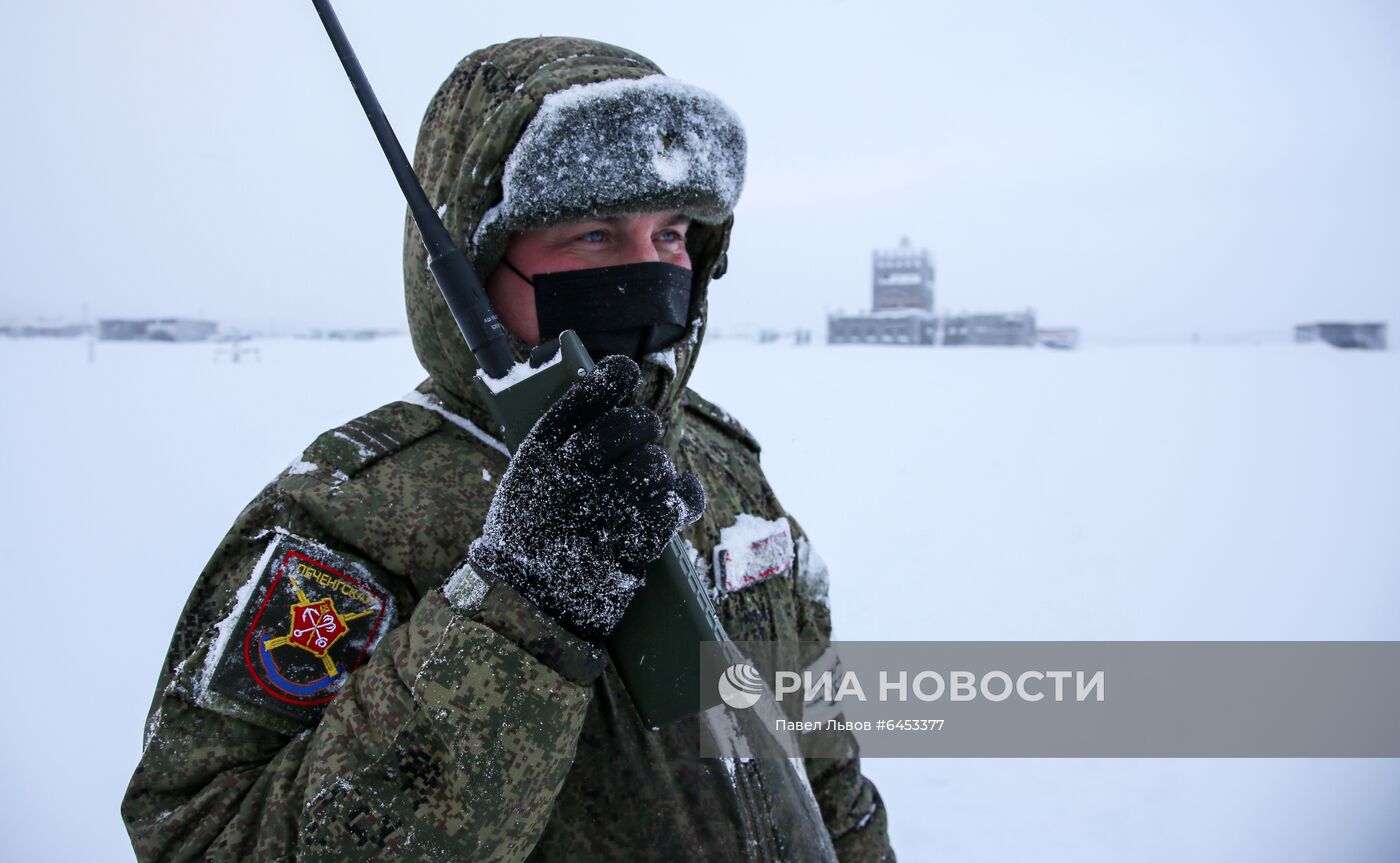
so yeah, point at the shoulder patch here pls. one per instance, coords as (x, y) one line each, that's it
(345, 451)
(720, 418)
(305, 619)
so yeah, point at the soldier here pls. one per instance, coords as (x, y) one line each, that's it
(391, 654)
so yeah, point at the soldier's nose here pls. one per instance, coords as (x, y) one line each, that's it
(638, 248)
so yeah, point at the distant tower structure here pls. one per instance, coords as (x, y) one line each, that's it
(901, 313)
(901, 278)
(901, 301)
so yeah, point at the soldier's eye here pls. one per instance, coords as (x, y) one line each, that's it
(594, 236)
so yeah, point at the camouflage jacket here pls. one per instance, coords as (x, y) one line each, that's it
(485, 732)
(340, 688)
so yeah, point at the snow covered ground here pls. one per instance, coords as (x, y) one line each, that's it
(1164, 492)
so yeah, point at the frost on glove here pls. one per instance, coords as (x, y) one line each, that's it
(588, 501)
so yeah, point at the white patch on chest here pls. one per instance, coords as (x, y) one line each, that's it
(751, 550)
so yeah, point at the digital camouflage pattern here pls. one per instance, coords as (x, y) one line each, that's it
(479, 728)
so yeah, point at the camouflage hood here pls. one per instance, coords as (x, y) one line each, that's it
(471, 128)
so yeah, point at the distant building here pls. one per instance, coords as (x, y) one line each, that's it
(901, 301)
(1368, 336)
(999, 328)
(901, 312)
(1063, 338)
(915, 327)
(30, 331)
(155, 329)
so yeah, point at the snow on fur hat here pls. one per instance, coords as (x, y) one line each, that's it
(630, 145)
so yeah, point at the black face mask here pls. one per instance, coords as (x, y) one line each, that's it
(630, 309)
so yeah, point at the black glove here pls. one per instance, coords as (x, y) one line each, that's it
(588, 501)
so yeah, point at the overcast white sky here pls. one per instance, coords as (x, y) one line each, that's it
(1134, 169)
